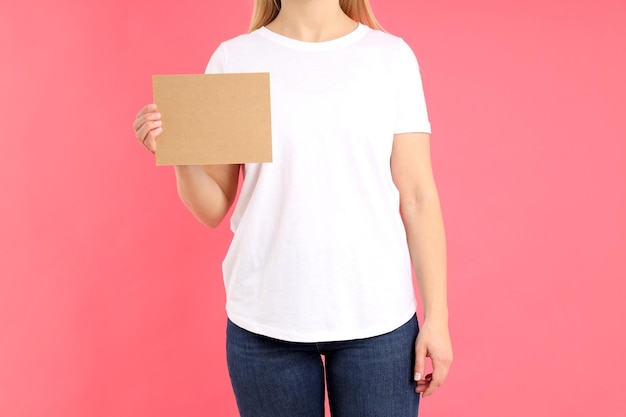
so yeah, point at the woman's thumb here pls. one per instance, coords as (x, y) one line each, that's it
(420, 359)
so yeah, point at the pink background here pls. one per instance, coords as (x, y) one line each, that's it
(111, 299)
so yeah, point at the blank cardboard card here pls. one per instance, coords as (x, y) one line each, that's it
(213, 118)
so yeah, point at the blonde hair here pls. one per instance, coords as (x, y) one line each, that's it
(359, 10)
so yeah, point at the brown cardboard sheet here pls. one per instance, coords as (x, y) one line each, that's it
(213, 118)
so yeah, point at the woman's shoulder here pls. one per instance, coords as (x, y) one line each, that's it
(387, 43)
(241, 39)
(384, 37)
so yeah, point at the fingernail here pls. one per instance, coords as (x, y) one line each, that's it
(417, 376)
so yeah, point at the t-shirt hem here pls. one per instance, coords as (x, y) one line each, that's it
(319, 337)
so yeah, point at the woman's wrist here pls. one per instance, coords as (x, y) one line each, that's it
(436, 315)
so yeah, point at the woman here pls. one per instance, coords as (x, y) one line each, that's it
(320, 262)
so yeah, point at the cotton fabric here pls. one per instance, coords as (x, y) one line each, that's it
(319, 251)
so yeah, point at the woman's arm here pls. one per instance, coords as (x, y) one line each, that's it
(208, 191)
(421, 213)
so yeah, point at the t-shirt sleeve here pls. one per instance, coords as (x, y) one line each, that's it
(217, 62)
(411, 114)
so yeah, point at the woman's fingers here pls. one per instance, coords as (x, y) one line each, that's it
(154, 119)
(149, 108)
(420, 359)
(422, 384)
(148, 133)
(147, 126)
(433, 341)
(150, 142)
(441, 367)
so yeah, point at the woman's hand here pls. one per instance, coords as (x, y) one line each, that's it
(433, 341)
(147, 126)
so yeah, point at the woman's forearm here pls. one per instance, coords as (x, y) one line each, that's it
(424, 226)
(202, 194)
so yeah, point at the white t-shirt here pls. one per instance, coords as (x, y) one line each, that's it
(319, 251)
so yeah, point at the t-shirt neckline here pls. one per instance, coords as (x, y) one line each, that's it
(344, 40)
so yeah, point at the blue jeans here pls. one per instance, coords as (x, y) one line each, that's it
(371, 377)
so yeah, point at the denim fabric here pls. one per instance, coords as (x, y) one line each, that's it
(371, 377)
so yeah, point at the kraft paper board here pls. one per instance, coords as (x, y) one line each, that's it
(213, 118)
